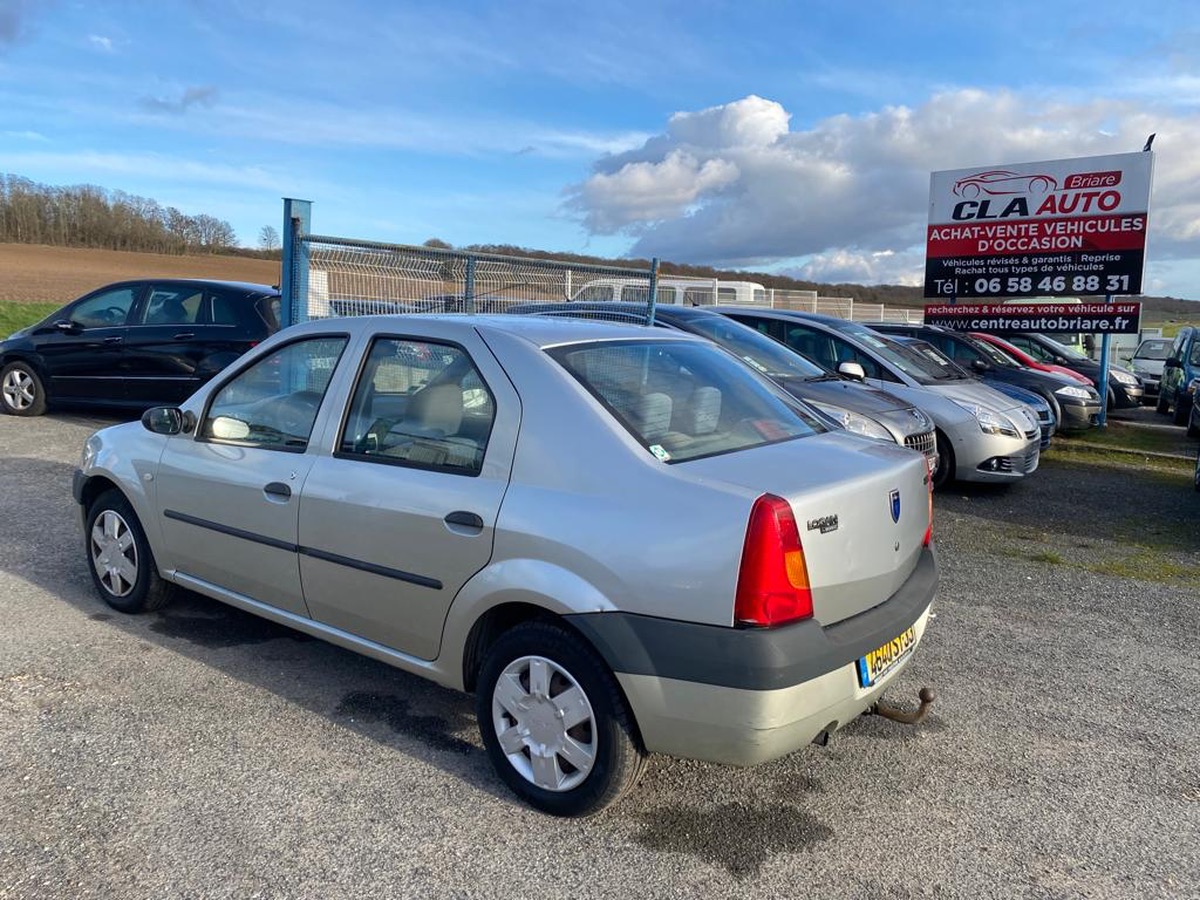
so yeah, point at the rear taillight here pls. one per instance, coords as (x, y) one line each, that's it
(772, 583)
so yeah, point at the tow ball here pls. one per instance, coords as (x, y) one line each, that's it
(904, 716)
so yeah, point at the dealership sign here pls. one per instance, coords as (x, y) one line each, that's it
(1046, 229)
(1045, 318)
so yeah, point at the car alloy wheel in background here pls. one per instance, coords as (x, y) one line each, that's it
(22, 391)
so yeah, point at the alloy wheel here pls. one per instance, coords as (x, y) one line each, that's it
(20, 390)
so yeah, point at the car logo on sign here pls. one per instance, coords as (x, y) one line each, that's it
(895, 500)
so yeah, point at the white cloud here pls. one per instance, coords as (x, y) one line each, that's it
(35, 136)
(100, 42)
(836, 196)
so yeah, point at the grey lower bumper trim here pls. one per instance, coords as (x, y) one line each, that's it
(754, 659)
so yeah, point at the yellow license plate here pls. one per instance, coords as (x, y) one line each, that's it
(883, 659)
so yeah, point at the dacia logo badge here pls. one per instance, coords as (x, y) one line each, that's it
(895, 498)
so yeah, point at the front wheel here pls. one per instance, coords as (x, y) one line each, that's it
(119, 557)
(21, 390)
(1161, 406)
(555, 724)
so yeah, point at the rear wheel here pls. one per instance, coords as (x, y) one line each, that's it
(1161, 406)
(121, 563)
(944, 473)
(21, 390)
(555, 724)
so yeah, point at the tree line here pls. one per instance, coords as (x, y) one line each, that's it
(90, 216)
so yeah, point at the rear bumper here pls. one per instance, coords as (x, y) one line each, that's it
(745, 696)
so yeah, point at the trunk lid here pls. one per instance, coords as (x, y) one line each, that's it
(861, 507)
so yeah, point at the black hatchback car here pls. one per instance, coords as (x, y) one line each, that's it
(1075, 406)
(1124, 388)
(134, 343)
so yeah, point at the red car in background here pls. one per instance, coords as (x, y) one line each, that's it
(1026, 360)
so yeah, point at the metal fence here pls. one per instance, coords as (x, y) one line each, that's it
(330, 276)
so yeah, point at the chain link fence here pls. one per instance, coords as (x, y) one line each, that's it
(331, 276)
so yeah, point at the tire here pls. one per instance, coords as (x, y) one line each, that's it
(1161, 406)
(22, 392)
(1196, 476)
(119, 557)
(944, 473)
(1183, 411)
(606, 756)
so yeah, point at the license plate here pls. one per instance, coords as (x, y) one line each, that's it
(882, 660)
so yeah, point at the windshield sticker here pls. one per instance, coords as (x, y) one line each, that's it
(658, 451)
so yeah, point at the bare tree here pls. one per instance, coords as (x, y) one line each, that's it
(268, 238)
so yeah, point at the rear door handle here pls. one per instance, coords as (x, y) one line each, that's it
(185, 335)
(277, 490)
(113, 340)
(462, 522)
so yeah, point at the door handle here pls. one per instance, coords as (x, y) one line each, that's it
(462, 522)
(185, 335)
(113, 340)
(277, 490)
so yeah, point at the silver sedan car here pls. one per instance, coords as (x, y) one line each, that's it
(621, 540)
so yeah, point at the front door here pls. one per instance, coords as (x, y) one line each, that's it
(229, 494)
(82, 351)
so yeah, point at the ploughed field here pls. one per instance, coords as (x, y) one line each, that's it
(32, 273)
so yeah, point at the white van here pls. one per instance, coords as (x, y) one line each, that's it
(674, 291)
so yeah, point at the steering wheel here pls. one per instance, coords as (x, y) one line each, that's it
(297, 412)
(114, 314)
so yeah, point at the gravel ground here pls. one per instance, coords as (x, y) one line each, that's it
(201, 752)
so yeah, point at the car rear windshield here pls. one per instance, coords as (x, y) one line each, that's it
(921, 367)
(686, 400)
(752, 347)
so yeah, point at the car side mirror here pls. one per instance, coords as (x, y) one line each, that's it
(168, 420)
(852, 370)
(979, 365)
(1173, 363)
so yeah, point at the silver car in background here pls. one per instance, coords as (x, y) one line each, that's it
(982, 435)
(621, 539)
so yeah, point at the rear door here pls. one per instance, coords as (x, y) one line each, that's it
(182, 334)
(396, 521)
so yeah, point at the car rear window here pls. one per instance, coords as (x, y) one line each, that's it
(686, 400)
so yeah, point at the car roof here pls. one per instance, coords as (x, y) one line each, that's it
(773, 312)
(541, 331)
(248, 286)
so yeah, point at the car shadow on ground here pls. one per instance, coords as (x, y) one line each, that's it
(405, 712)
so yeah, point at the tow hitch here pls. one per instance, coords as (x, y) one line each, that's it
(904, 716)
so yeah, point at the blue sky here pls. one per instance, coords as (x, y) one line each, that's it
(782, 136)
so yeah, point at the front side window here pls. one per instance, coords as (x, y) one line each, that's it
(419, 404)
(685, 400)
(104, 310)
(274, 403)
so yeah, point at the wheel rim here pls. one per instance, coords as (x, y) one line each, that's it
(114, 553)
(544, 723)
(19, 389)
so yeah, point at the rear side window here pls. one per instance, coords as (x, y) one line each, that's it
(420, 404)
(685, 400)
